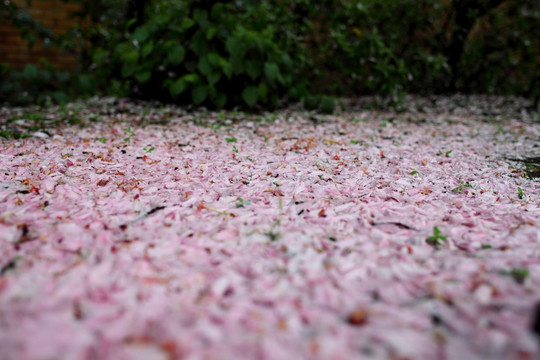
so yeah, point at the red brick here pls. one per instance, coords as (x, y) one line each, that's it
(55, 15)
(44, 4)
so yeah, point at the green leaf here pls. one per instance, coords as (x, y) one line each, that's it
(215, 59)
(122, 49)
(131, 56)
(140, 34)
(6, 134)
(238, 65)
(62, 76)
(311, 102)
(356, 142)
(84, 83)
(240, 202)
(519, 274)
(293, 94)
(211, 32)
(520, 192)
(262, 91)
(216, 11)
(59, 97)
(204, 66)
(213, 77)
(414, 172)
(128, 69)
(286, 60)
(201, 16)
(176, 54)
(190, 78)
(100, 56)
(230, 140)
(130, 63)
(199, 94)
(253, 68)
(163, 18)
(327, 104)
(143, 76)
(458, 188)
(30, 71)
(286, 79)
(219, 100)
(271, 70)
(45, 75)
(235, 47)
(437, 239)
(147, 49)
(249, 95)
(177, 87)
(199, 44)
(273, 236)
(187, 23)
(228, 70)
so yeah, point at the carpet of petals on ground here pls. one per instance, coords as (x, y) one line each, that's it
(162, 234)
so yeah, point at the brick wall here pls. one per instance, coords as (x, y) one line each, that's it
(53, 14)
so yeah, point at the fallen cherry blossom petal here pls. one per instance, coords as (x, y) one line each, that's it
(294, 241)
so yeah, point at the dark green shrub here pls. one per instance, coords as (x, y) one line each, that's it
(502, 52)
(327, 104)
(390, 47)
(255, 53)
(227, 55)
(349, 54)
(323, 103)
(311, 102)
(41, 84)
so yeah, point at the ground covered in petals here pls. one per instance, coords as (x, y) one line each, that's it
(137, 232)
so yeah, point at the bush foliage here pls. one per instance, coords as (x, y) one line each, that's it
(189, 54)
(257, 53)
(42, 84)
